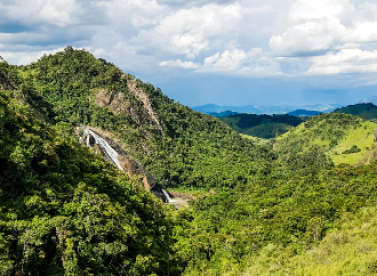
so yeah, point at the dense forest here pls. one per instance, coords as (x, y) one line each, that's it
(367, 111)
(295, 205)
(262, 126)
(64, 211)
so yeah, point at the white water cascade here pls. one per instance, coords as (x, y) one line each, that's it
(167, 196)
(105, 148)
(110, 153)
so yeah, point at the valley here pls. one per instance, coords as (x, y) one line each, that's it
(103, 174)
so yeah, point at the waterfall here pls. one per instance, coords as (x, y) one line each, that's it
(105, 148)
(111, 154)
(167, 196)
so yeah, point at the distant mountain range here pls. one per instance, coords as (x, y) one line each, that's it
(303, 112)
(254, 109)
(223, 114)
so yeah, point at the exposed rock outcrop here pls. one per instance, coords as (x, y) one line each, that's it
(375, 136)
(143, 97)
(114, 100)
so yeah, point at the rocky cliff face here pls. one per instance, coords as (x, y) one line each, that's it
(143, 97)
(141, 112)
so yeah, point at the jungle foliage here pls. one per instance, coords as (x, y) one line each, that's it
(64, 211)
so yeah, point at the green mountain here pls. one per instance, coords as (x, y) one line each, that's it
(344, 138)
(279, 208)
(303, 112)
(222, 114)
(64, 210)
(368, 111)
(262, 126)
(179, 147)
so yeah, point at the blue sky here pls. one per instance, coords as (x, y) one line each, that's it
(271, 52)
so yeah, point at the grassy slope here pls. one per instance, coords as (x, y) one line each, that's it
(362, 137)
(327, 128)
(256, 140)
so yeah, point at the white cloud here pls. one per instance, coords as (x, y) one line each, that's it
(317, 27)
(190, 31)
(25, 58)
(191, 3)
(254, 62)
(59, 13)
(345, 61)
(244, 37)
(180, 64)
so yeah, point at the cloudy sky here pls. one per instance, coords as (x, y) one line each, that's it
(270, 52)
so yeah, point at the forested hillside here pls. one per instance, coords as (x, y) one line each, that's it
(292, 225)
(367, 111)
(64, 211)
(345, 138)
(262, 126)
(286, 207)
(181, 148)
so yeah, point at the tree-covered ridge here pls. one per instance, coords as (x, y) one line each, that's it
(64, 211)
(333, 134)
(262, 126)
(367, 111)
(201, 151)
(198, 151)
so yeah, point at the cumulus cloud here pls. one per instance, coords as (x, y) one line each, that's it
(254, 62)
(191, 3)
(190, 31)
(345, 61)
(25, 58)
(59, 13)
(316, 27)
(180, 64)
(251, 63)
(244, 37)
